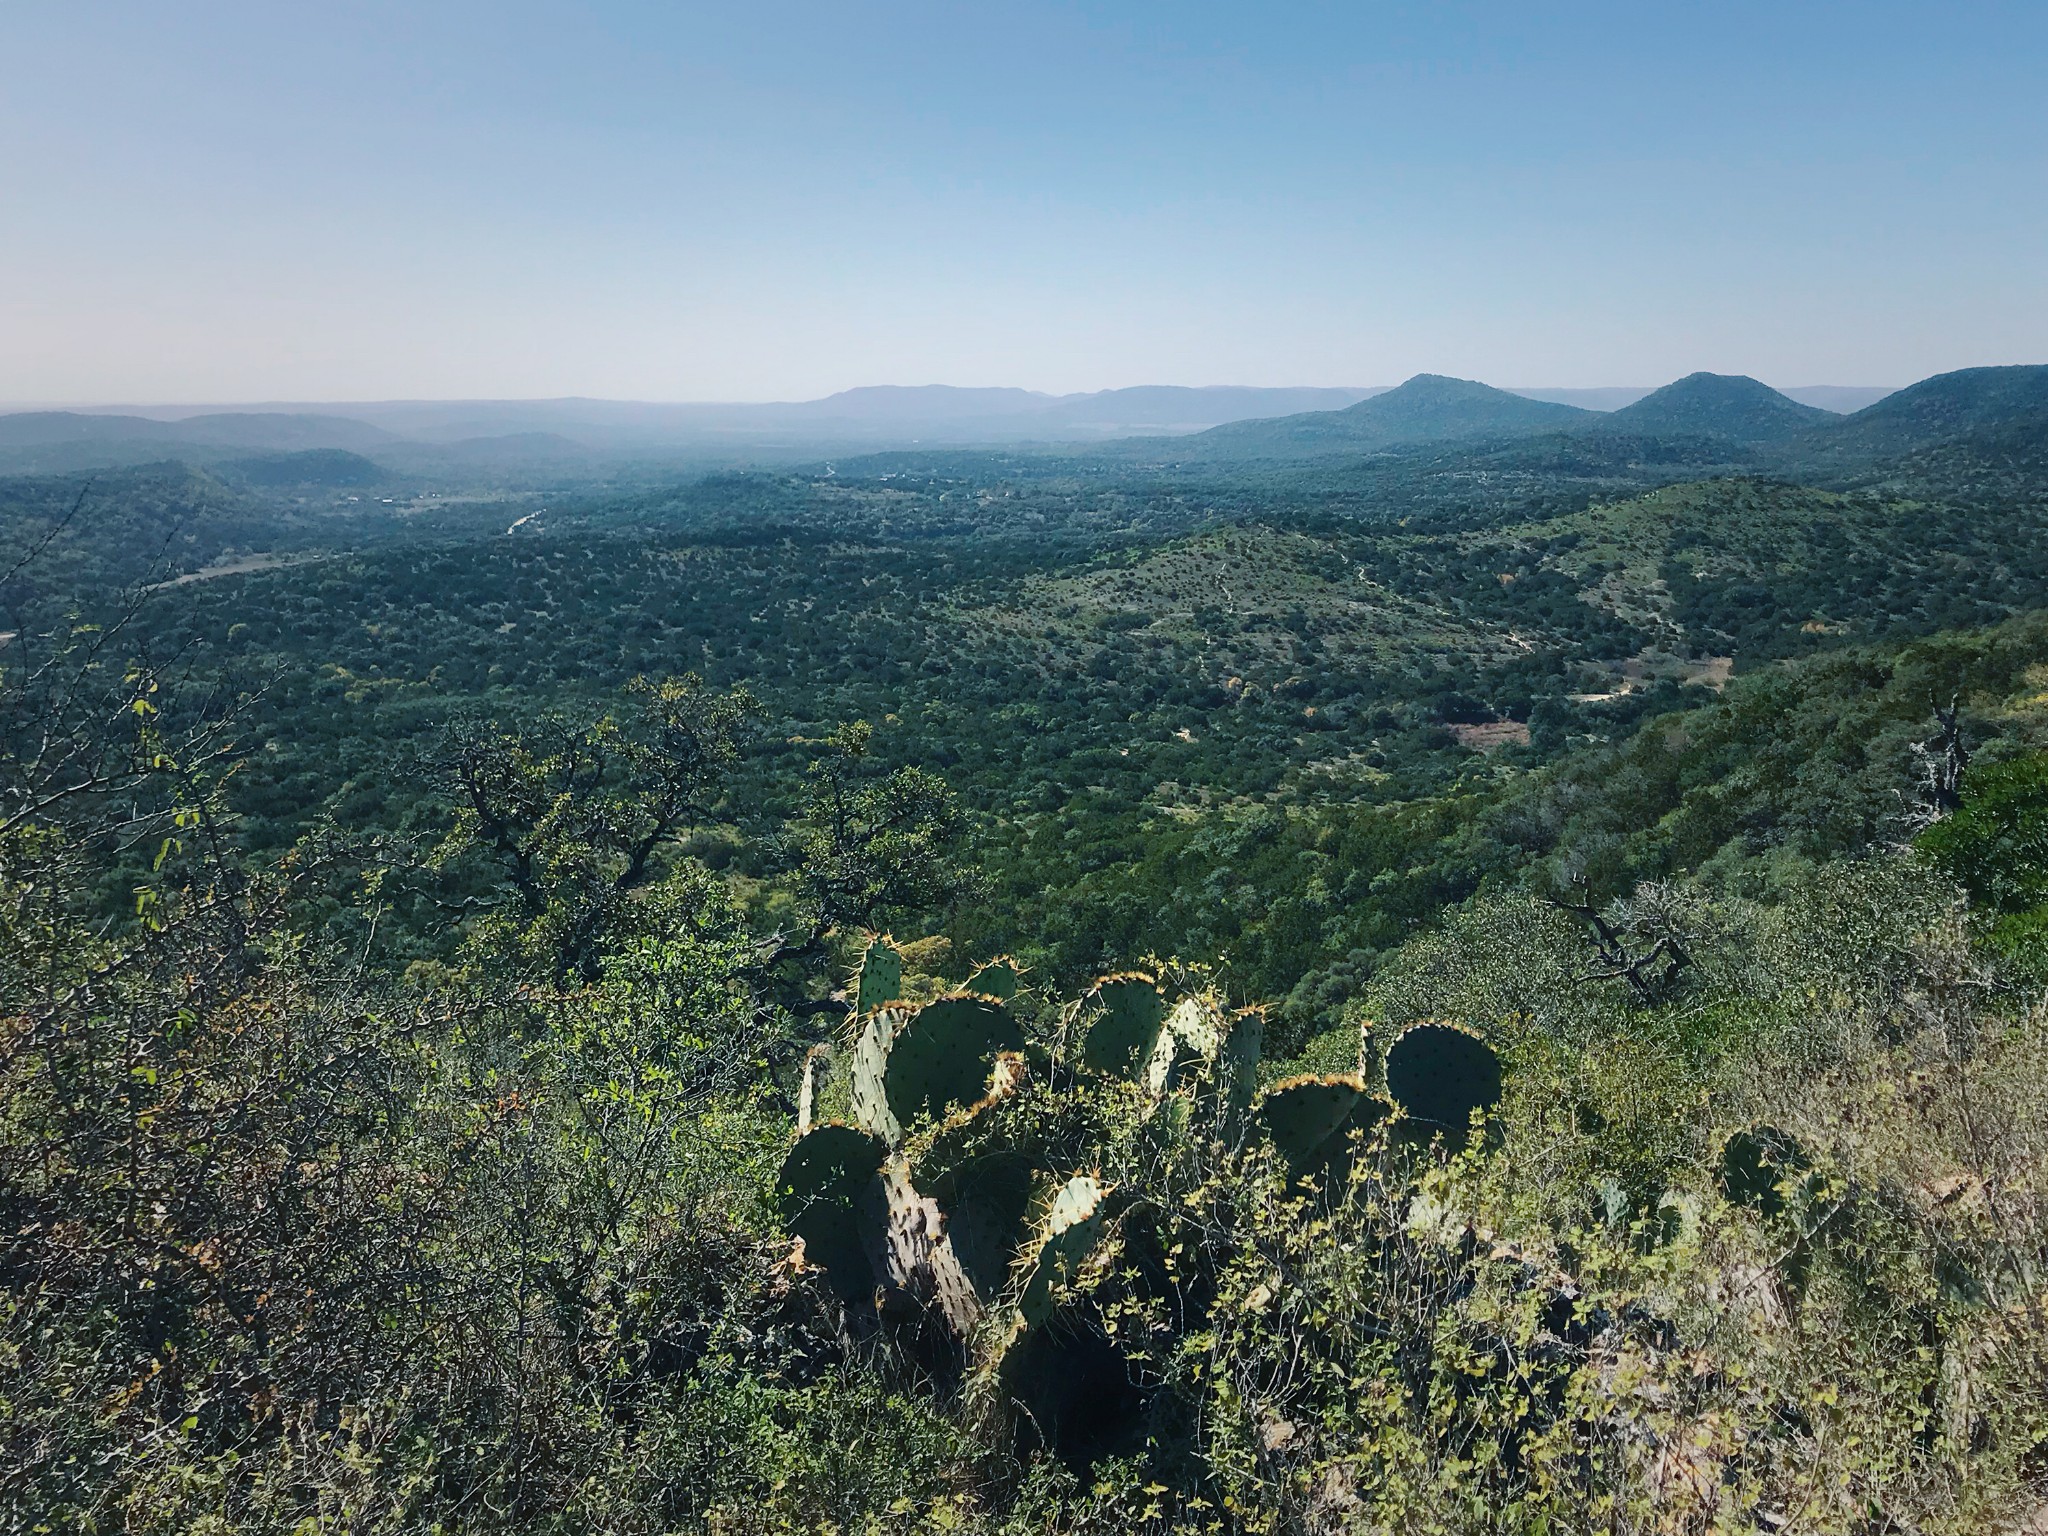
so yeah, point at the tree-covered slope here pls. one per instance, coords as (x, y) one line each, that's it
(1949, 405)
(1427, 408)
(1718, 405)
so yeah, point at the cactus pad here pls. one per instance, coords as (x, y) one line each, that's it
(1001, 978)
(817, 1060)
(1162, 1070)
(941, 1055)
(878, 981)
(940, 1156)
(1756, 1166)
(826, 1187)
(988, 1216)
(1311, 1118)
(835, 1242)
(868, 1075)
(1237, 1066)
(1198, 1024)
(1073, 1226)
(1439, 1074)
(1128, 1013)
(832, 1162)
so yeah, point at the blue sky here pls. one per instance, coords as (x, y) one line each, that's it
(243, 201)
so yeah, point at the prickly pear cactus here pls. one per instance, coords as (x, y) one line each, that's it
(1001, 978)
(1440, 1074)
(988, 1216)
(1237, 1070)
(1121, 1021)
(1164, 1067)
(944, 1069)
(878, 979)
(980, 1166)
(829, 1195)
(1191, 1034)
(1199, 1025)
(955, 1185)
(868, 1073)
(974, 1131)
(1310, 1119)
(831, 1163)
(1072, 1228)
(940, 1055)
(935, 1085)
(817, 1062)
(1216, 1054)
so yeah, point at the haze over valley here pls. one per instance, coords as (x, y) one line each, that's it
(526, 435)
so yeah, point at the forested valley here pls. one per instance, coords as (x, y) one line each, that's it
(1434, 966)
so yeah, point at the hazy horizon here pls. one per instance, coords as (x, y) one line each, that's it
(624, 201)
(104, 407)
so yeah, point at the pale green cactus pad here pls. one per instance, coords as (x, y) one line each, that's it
(1073, 1226)
(1198, 1024)
(868, 1073)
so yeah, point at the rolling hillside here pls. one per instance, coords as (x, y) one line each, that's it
(1720, 405)
(1938, 408)
(1427, 408)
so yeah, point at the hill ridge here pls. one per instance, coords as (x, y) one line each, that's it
(1732, 405)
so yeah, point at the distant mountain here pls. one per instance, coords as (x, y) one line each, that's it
(1719, 405)
(2003, 464)
(860, 417)
(938, 410)
(86, 456)
(1427, 408)
(853, 419)
(34, 429)
(331, 468)
(278, 430)
(1287, 423)
(1946, 406)
(1432, 407)
(245, 430)
(917, 403)
(59, 442)
(1839, 398)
